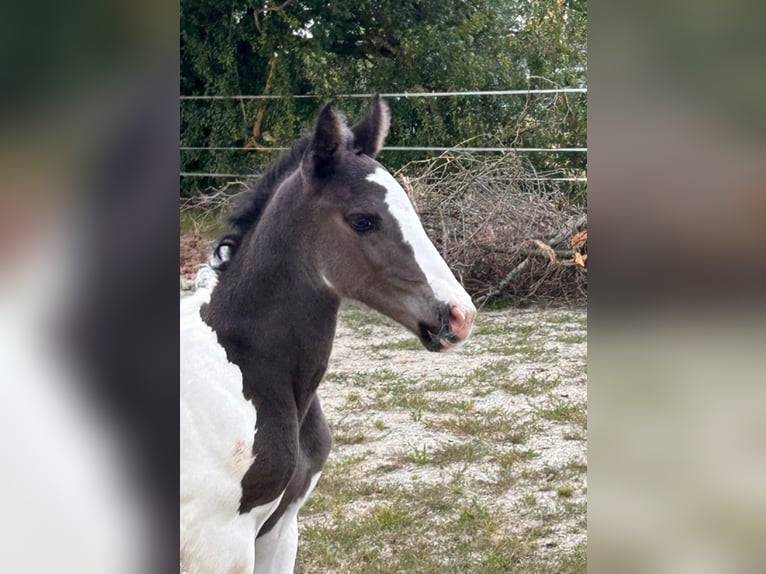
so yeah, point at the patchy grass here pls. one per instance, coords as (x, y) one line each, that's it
(467, 461)
(574, 435)
(490, 373)
(572, 339)
(346, 434)
(529, 351)
(565, 412)
(490, 425)
(362, 379)
(462, 453)
(409, 344)
(358, 319)
(418, 532)
(419, 455)
(439, 385)
(407, 395)
(531, 386)
(509, 460)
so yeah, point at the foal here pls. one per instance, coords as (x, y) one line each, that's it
(327, 222)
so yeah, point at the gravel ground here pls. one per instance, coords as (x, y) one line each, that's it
(518, 386)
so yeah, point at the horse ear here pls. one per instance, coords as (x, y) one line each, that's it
(329, 134)
(372, 129)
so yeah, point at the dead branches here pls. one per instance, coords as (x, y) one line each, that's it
(506, 232)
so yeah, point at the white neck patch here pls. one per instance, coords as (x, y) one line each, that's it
(440, 278)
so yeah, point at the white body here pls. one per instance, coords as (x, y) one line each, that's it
(217, 431)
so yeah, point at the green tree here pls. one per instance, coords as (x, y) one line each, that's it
(328, 48)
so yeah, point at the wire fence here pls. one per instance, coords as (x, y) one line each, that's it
(412, 148)
(393, 95)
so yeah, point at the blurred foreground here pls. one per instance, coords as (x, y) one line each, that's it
(677, 321)
(88, 345)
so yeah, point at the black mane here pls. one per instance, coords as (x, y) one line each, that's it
(249, 204)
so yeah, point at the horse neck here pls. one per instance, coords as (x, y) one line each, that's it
(274, 318)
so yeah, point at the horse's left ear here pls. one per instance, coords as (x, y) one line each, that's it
(329, 136)
(372, 129)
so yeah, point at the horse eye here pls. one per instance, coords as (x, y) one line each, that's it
(362, 223)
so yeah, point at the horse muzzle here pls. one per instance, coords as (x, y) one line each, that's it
(455, 326)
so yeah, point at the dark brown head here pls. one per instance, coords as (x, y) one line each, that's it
(367, 241)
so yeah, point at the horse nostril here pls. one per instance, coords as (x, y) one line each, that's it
(457, 321)
(461, 321)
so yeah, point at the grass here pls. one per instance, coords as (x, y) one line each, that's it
(529, 500)
(409, 344)
(440, 385)
(511, 340)
(208, 222)
(572, 339)
(362, 379)
(349, 437)
(512, 458)
(576, 467)
(358, 319)
(561, 318)
(487, 326)
(419, 456)
(412, 532)
(408, 395)
(461, 453)
(439, 470)
(418, 532)
(447, 454)
(431, 528)
(532, 386)
(527, 351)
(490, 425)
(489, 373)
(573, 435)
(565, 412)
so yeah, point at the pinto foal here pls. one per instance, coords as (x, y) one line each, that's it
(326, 222)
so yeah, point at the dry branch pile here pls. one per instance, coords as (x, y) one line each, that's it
(508, 237)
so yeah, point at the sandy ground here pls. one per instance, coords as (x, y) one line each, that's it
(544, 347)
